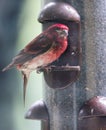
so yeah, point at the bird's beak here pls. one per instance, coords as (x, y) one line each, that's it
(65, 32)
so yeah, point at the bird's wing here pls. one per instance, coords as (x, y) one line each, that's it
(37, 46)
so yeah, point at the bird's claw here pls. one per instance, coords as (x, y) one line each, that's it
(39, 70)
(45, 68)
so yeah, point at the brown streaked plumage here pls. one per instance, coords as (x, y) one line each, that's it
(41, 51)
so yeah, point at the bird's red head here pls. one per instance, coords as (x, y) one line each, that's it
(60, 26)
(58, 30)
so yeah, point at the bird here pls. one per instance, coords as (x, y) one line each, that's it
(44, 49)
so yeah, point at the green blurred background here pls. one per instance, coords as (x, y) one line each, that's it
(18, 26)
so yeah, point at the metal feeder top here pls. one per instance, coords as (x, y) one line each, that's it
(56, 11)
(37, 111)
(95, 107)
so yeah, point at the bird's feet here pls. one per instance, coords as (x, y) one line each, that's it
(39, 70)
(44, 68)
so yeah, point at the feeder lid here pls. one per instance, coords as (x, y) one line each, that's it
(95, 107)
(37, 111)
(57, 11)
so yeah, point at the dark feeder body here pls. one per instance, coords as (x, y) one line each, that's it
(92, 115)
(67, 68)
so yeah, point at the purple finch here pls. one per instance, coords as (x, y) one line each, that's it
(41, 51)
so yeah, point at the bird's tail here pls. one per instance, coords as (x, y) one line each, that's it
(8, 67)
